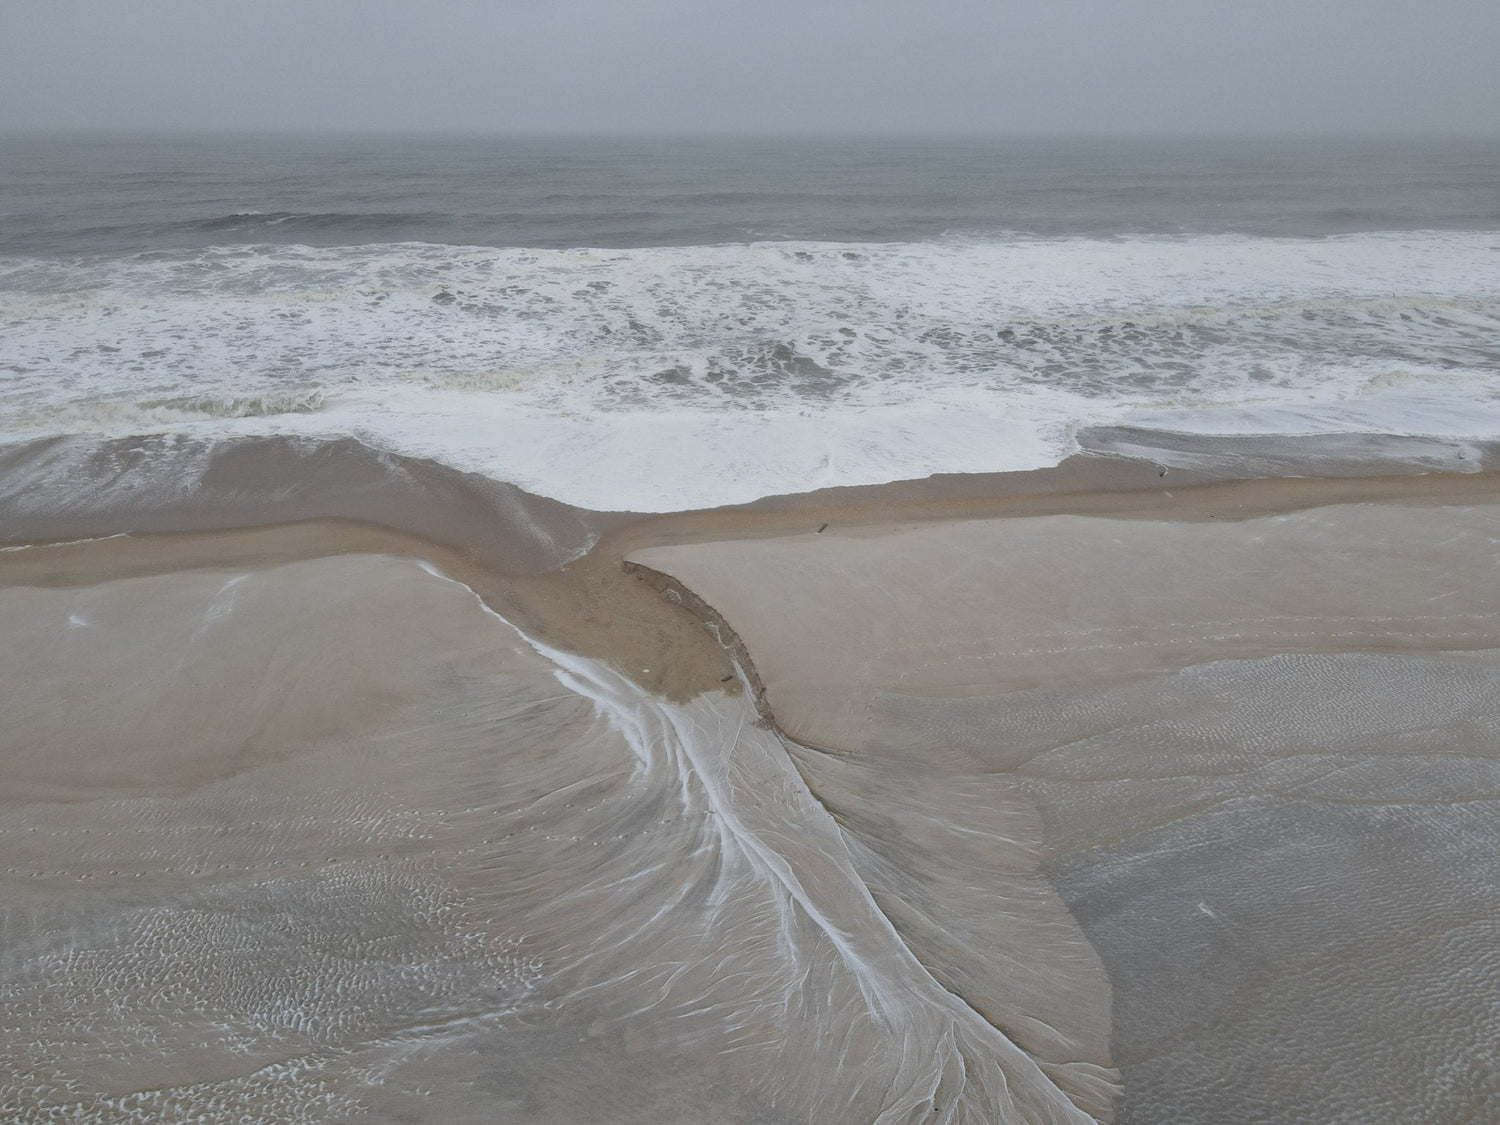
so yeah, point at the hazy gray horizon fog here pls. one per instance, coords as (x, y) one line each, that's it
(1138, 67)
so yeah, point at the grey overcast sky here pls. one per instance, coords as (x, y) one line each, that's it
(758, 66)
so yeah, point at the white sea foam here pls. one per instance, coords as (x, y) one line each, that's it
(689, 376)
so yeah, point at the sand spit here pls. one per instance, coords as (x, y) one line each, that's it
(553, 569)
(1099, 774)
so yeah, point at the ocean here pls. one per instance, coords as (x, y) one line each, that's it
(439, 683)
(659, 325)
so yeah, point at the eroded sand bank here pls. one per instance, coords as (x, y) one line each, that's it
(1100, 773)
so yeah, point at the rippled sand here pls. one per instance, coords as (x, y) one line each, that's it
(328, 838)
(1261, 759)
(1137, 806)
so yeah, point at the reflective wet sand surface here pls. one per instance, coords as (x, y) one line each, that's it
(1261, 759)
(349, 844)
(1038, 817)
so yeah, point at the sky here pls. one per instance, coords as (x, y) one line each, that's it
(756, 66)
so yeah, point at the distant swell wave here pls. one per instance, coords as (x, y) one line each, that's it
(354, 221)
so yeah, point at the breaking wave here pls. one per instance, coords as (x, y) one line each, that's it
(243, 406)
(767, 367)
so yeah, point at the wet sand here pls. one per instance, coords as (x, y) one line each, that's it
(348, 788)
(1255, 761)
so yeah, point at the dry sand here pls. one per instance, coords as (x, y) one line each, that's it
(1099, 776)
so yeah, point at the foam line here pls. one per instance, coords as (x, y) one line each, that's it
(675, 377)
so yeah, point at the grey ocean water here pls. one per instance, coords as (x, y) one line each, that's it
(112, 195)
(735, 319)
(1161, 821)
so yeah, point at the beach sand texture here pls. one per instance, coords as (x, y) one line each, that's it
(1255, 758)
(1090, 795)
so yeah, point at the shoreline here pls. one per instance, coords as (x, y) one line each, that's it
(1022, 732)
(562, 572)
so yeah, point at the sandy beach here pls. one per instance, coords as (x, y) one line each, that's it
(340, 785)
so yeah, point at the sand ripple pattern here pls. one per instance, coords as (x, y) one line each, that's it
(1261, 755)
(506, 885)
